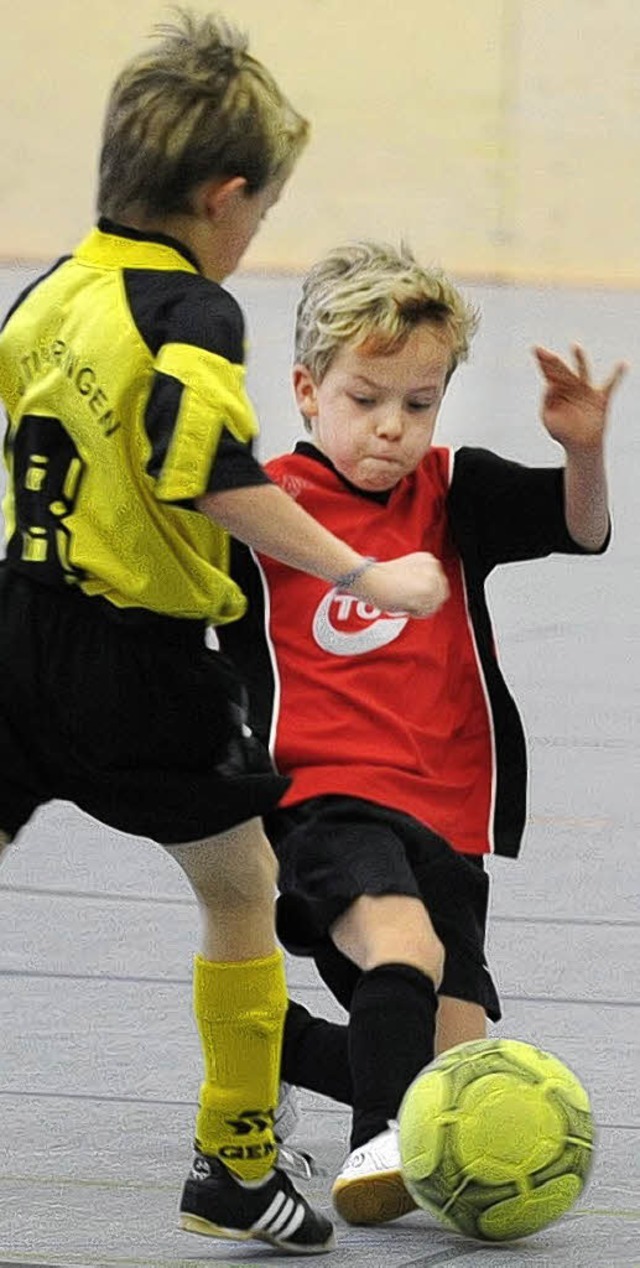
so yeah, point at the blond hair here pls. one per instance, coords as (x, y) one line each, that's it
(195, 107)
(372, 295)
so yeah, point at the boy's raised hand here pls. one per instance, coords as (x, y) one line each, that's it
(574, 409)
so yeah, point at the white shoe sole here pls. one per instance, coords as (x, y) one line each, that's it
(195, 1224)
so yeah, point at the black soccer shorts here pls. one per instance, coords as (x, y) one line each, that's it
(130, 716)
(332, 849)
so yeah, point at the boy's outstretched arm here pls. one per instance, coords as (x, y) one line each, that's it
(267, 519)
(574, 411)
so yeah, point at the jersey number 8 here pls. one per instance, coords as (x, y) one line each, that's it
(47, 470)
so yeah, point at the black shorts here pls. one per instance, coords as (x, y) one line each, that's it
(130, 716)
(332, 849)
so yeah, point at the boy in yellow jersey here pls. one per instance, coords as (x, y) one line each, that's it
(129, 462)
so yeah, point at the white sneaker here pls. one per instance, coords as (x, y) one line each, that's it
(370, 1188)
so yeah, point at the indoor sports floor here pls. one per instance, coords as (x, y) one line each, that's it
(99, 1058)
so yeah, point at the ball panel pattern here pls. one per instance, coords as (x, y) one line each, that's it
(496, 1139)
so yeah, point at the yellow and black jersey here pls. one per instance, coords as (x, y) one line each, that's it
(122, 376)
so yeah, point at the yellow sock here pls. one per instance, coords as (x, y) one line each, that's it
(240, 1009)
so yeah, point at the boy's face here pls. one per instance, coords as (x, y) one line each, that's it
(374, 416)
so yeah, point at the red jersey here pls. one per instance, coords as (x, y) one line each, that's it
(411, 714)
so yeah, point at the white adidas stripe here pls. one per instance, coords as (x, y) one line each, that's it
(282, 1217)
(271, 1212)
(294, 1223)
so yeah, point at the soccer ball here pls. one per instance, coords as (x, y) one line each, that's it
(496, 1139)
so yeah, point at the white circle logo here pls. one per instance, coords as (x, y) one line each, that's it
(347, 626)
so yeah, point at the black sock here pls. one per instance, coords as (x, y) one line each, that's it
(315, 1054)
(337, 972)
(391, 1037)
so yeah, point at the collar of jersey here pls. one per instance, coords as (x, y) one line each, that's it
(116, 246)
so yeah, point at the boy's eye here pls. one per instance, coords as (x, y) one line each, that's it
(361, 400)
(416, 406)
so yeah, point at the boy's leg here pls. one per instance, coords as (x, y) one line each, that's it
(240, 1001)
(239, 995)
(388, 1039)
(458, 1021)
(392, 1019)
(315, 1054)
(337, 972)
(458, 900)
(391, 1037)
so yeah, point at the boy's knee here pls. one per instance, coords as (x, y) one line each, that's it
(390, 928)
(234, 873)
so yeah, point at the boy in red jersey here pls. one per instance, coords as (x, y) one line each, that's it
(403, 744)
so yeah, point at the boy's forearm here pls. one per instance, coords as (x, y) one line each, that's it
(268, 520)
(586, 505)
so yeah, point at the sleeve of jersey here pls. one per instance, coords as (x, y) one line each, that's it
(197, 395)
(512, 512)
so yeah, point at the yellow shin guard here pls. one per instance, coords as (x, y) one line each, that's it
(240, 1009)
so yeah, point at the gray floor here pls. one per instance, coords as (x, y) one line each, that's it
(99, 1056)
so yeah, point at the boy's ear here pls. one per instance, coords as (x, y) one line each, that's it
(305, 391)
(219, 196)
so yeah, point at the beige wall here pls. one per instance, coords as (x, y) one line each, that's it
(501, 137)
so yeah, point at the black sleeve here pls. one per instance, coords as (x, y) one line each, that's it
(173, 306)
(503, 511)
(198, 417)
(235, 467)
(247, 642)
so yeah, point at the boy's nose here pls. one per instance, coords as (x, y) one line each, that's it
(389, 422)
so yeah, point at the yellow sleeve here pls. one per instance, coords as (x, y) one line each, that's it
(213, 396)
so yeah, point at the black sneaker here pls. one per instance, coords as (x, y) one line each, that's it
(218, 1205)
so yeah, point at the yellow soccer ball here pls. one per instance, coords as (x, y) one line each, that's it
(496, 1139)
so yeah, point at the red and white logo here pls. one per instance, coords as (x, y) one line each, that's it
(346, 626)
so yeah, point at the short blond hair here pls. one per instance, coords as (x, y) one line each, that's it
(372, 295)
(195, 107)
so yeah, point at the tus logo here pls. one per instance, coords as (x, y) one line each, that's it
(346, 626)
